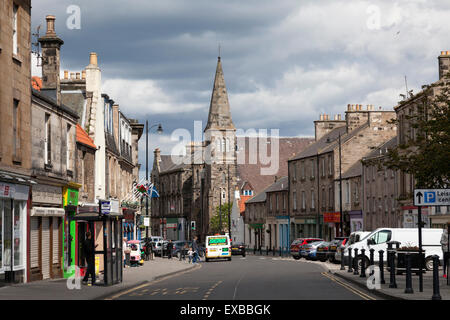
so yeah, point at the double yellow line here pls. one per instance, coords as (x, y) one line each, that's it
(348, 287)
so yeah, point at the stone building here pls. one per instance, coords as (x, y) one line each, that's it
(53, 135)
(435, 216)
(380, 191)
(15, 137)
(312, 172)
(255, 218)
(85, 165)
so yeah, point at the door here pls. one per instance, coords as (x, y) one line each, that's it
(56, 252)
(45, 248)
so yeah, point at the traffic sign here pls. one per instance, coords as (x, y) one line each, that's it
(105, 207)
(432, 197)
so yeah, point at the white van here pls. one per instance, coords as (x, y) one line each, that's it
(378, 239)
(354, 237)
(218, 247)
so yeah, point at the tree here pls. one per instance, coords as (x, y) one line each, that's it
(215, 220)
(427, 155)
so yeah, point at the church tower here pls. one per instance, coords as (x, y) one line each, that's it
(220, 151)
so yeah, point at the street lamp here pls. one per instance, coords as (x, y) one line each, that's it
(159, 131)
(341, 221)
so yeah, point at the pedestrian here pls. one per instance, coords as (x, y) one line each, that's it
(190, 255)
(125, 252)
(89, 254)
(148, 246)
(445, 245)
(195, 249)
(169, 249)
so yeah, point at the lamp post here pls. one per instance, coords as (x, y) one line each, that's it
(341, 231)
(159, 131)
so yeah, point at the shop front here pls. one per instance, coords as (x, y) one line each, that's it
(283, 232)
(70, 202)
(171, 227)
(130, 229)
(45, 232)
(106, 229)
(331, 221)
(13, 232)
(356, 220)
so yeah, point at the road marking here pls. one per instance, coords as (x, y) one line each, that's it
(348, 287)
(210, 290)
(151, 283)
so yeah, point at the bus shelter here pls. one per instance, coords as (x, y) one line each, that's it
(106, 230)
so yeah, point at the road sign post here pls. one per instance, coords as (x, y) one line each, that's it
(429, 198)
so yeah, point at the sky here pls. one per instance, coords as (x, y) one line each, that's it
(285, 62)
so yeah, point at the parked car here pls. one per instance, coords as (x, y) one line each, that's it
(322, 251)
(332, 249)
(378, 239)
(157, 247)
(309, 250)
(179, 247)
(354, 237)
(298, 243)
(238, 248)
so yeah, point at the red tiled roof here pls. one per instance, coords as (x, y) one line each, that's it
(36, 83)
(83, 137)
(242, 203)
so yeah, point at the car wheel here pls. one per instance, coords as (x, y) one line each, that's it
(296, 257)
(206, 260)
(243, 254)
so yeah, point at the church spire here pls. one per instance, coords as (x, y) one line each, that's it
(219, 117)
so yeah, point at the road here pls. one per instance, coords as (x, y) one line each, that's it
(249, 278)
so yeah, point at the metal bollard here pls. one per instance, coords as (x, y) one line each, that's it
(260, 250)
(391, 256)
(350, 262)
(280, 251)
(381, 264)
(436, 294)
(342, 259)
(372, 251)
(363, 263)
(254, 249)
(408, 288)
(267, 251)
(356, 272)
(273, 251)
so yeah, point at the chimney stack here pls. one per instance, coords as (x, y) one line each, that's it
(51, 46)
(444, 64)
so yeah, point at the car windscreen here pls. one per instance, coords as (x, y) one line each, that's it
(217, 241)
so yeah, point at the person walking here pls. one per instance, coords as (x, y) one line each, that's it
(190, 254)
(89, 254)
(195, 249)
(445, 245)
(169, 249)
(148, 246)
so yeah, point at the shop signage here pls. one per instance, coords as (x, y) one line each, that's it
(114, 206)
(14, 191)
(147, 222)
(171, 225)
(47, 212)
(432, 197)
(43, 193)
(331, 217)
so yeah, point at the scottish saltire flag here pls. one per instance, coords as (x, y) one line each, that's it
(152, 192)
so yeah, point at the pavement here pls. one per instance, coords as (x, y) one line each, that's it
(392, 293)
(57, 289)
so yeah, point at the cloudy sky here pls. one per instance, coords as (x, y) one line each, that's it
(285, 62)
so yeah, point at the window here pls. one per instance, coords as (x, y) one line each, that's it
(386, 206)
(224, 195)
(312, 169)
(323, 167)
(374, 203)
(303, 169)
(284, 202)
(438, 209)
(330, 167)
(313, 200)
(48, 140)
(294, 171)
(294, 199)
(347, 192)
(276, 202)
(324, 198)
(303, 200)
(15, 29)
(68, 144)
(16, 129)
(330, 197)
(381, 237)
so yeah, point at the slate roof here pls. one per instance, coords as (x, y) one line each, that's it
(252, 172)
(46, 95)
(386, 145)
(280, 185)
(74, 101)
(354, 171)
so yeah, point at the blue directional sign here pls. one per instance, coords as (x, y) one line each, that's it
(432, 197)
(105, 207)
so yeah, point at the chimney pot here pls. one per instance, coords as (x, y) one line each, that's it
(66, 74)
(339, 117)
(442, 53)
(349, 106)
(78, 75)
(50, 24)
(93, 59)
(83, 74)
(72, 75)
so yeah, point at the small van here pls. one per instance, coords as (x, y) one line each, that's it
(378, 239)
(218, 247)
(355, 236)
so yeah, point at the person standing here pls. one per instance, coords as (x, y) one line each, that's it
(195, 249)
(89, 254)
(169, 249)
(445, 245)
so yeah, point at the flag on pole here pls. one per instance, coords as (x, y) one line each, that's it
(152, 192)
